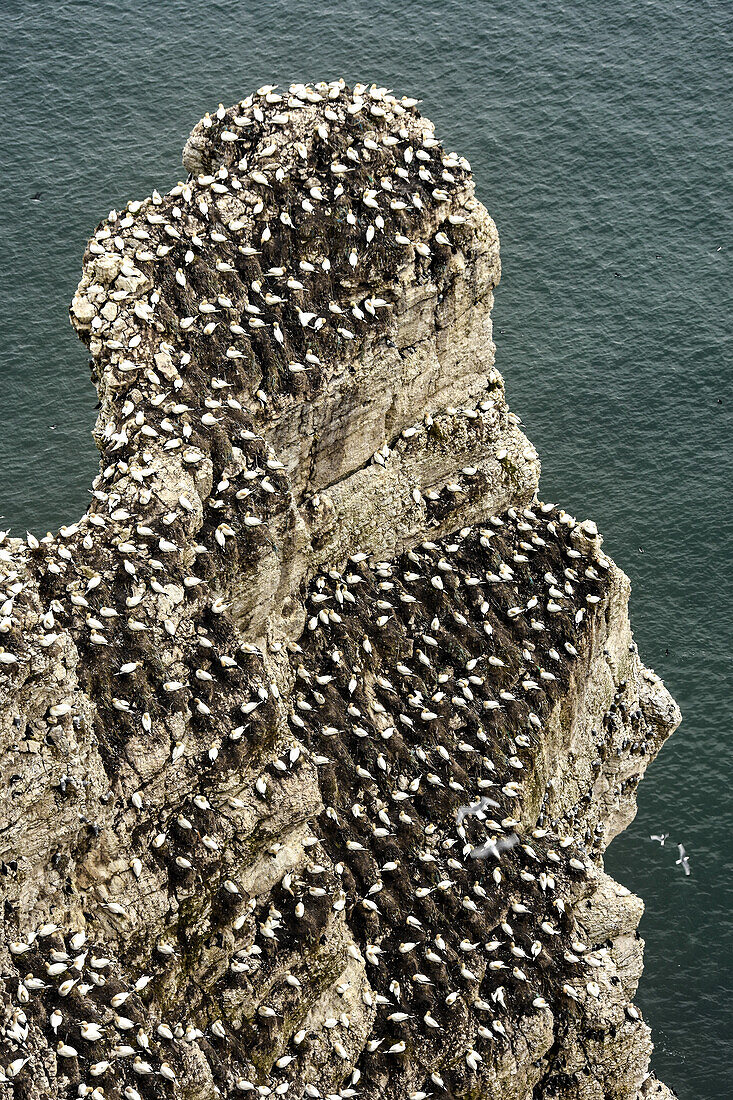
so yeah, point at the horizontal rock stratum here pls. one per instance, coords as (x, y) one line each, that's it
(316, 725)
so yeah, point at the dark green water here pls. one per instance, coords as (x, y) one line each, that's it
(600, 137)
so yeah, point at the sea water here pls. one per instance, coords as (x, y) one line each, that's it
(600, 139)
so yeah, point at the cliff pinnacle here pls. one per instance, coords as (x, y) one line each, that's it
(316, 725)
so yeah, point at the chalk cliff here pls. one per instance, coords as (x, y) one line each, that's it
(316, 725)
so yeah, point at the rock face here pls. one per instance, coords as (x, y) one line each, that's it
(316, 725)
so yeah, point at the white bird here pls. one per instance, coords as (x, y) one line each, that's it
(92, 1032)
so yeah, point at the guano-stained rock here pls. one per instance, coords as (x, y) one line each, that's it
(316, 725)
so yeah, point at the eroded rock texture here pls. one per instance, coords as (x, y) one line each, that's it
(316, 725)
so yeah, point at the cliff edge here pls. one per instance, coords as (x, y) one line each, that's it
(316, 725)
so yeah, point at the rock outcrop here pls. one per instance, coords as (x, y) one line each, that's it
(316, 725)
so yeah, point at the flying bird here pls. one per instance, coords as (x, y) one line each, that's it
(683, 861)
